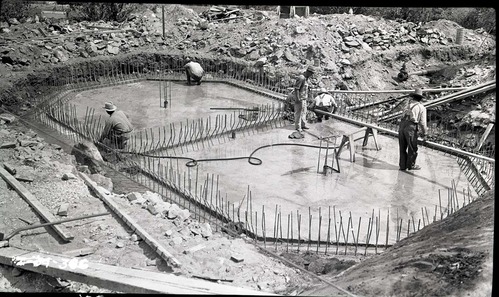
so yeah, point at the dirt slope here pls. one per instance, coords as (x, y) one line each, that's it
(452, 257)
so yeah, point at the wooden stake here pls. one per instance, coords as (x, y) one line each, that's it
(358, 232)
(387, 227)
(367, 236)
(319, 237)
(440, 203)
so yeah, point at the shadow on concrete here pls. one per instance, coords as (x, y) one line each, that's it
(376, 163)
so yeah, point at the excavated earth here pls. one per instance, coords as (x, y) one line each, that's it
(452, 257)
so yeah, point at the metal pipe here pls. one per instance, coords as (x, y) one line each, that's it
(50, 224)
(429, 144)
(435, 90)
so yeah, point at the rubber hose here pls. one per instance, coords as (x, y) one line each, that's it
(251, 159)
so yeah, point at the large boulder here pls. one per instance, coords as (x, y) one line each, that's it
(86, 153)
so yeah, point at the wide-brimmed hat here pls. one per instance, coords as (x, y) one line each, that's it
(311, 69)
(109, 106)
(322, 91)
(418, 94)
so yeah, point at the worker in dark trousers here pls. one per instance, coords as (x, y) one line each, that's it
(301, 92)
(413, 119)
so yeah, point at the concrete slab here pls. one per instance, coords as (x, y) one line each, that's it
(141, 101)
(287, 180)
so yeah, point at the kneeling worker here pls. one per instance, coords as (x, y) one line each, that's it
(194, 72)
(325, 102)
(117, 127)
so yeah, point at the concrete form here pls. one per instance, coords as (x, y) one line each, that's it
(288, 179)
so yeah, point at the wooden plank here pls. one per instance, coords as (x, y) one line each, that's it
(484, 136)
(155, 245)
(121, 279)
(33, 202)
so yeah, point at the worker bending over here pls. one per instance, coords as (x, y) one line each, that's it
(325, 102)
(412, 119)
(194, 72)
(117, 128)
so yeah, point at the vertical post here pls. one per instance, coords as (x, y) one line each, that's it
(163, 18)
(264, 231)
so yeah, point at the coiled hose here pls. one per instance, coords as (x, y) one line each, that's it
(251, 159)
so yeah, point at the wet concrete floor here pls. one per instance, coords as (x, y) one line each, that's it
(288, 176)
(141, 102)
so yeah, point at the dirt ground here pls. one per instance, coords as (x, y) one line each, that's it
(452, 257)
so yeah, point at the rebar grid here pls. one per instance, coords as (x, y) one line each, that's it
(203, 196)
(209, 201)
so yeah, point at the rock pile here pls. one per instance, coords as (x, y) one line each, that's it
(28, 148)
(57, 41)
(333, 41)
(154, 203)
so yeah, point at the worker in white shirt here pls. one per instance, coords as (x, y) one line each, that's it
(325, 102)
(194, 72)
(412, 119)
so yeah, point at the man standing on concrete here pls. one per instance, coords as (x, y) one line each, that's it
(412, 119)
(194, 72)
(301, 90)
(325, 102)
(117, 128)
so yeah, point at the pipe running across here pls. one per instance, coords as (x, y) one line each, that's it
(434, 90)
(454, 96)
(429, 144)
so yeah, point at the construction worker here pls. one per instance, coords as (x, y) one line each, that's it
(413, 119)
(325, 102)
(301, 91)
(194, 72)
(117, 128)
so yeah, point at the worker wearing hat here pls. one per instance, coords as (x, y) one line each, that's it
(301, 91)
(117, 128)
(194, 72)
(413, 119)
(325, 102)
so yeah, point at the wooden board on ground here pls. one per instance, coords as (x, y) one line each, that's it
(120, 279)
(34, 203)
(155, 245)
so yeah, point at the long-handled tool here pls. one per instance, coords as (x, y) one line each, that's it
(2, 238)
(236, 108)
